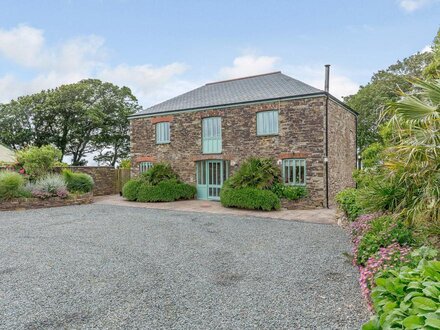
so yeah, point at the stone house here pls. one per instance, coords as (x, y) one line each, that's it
(206, 133)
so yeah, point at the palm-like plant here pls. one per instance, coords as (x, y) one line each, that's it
(414, 154)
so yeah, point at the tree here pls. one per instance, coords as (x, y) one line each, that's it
(81, 118)
(432, 71)
(385, 86)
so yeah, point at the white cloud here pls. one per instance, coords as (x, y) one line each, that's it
(76, 59)
(340, 84)
(247, 65)
(426, 49)
(413, 5)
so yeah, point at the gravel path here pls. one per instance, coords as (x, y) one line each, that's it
(100, 266)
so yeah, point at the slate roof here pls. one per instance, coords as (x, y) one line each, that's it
(272, 85)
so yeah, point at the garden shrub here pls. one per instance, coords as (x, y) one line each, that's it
(130, 189)
(158, 173)
(289, 192)
(78, 182)
(38, 161)
(165, 191)
(382, 232)
(348, 201)
(52, 185)
(260, 173)
(250, 198)
(11, 183)
(408, 298)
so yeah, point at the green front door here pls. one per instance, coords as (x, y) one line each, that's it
(210, 177)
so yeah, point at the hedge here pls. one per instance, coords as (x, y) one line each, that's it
(165, 191)
(250, 198)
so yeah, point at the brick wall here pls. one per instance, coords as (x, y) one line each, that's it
(301, 135)
(342, 149)
(36, 203)
(104, 176)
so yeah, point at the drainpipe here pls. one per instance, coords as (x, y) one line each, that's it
(326, 89)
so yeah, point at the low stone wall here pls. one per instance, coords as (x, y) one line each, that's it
(305, 203)
(105, 178)
(37, 203)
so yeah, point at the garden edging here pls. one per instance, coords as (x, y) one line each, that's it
(37, 203)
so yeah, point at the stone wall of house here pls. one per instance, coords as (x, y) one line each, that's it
(36, 203)
(105, 178)
(342, 149)
(301, 135)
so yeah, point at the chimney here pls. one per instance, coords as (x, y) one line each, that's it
(327, 77)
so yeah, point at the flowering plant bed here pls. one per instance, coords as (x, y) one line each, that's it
(36, 203)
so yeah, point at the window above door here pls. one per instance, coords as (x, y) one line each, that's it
(212, 135)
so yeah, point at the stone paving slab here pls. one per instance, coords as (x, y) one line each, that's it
(323, 216)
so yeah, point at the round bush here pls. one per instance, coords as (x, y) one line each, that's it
(130, 190)
(78, 182)
(11, 184)
(250, 198)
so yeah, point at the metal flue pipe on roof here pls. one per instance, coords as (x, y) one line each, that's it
(327, 78)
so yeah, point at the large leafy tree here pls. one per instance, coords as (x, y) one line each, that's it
(385, 86)
(81, 118)
(433, 69)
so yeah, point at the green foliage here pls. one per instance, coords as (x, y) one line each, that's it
(260, 173)
(289, 192)
(385, 86)
(432, 71)
(49, 186)
(78, 182)
(11, 184)
(130, 189)
(381, 193)
(372, 155)
(348, 201)
(125, 163)
(165, 191)
(87, 116)
(38, 161)
(408, 298)
(158, 173)
(384, 231)
(250, 198)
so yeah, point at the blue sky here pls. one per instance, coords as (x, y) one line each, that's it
(163, 48)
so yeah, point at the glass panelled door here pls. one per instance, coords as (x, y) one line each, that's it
(210, 177)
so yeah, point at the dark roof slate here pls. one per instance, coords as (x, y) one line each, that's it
(248, 89)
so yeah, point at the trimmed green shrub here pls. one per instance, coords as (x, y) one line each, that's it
(158, 173)
(130, 189)
(38, 161)
(289, 192)
(78, 182)
(348, 201)
(165, 191)
(11, 183)
(383, 231)
(260, 173)
(250, 198)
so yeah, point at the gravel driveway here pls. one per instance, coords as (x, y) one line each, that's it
(100, 266)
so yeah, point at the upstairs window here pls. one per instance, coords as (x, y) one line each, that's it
(163, 133)
(267, 123)
(145, 166)
(212, 135)
(294, 171)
